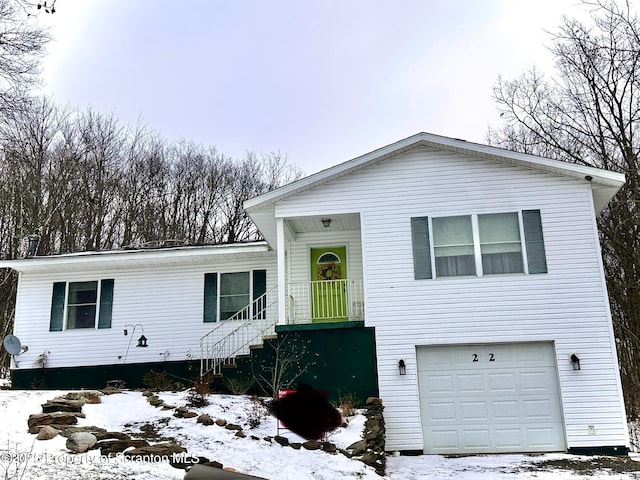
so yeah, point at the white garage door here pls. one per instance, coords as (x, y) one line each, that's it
(490, 398)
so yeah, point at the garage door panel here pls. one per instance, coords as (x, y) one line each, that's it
(506, 438)
(508, 404)
(442, 412)
(506, 410)
(502, 382)
(445, 440)
(473, 383)
(439, 383)
(474, 411)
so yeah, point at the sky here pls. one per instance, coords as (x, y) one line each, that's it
(319, 81)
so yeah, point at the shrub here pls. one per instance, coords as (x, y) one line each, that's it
(238, 386)
(157, 381)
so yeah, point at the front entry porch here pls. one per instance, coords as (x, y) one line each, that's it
(325, 301)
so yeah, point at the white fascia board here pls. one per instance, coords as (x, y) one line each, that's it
(120, 258)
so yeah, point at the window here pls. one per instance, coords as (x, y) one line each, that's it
(479, 245)
(500, 244)
(76, 305)
(453, 246)
(225, 294)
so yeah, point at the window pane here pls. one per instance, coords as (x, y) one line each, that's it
(232, 304)
(81, 316)
(453, 246)
(234, 293)
(83, 292)
(500, 243)
(81, 306)
(234, 283)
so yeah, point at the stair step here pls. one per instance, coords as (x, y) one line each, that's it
(230, 365)
(270, 337)
(256, 347)
(244, 356)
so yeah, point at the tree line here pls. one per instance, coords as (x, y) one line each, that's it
(74, 180)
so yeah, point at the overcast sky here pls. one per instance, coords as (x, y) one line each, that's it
(322, 81)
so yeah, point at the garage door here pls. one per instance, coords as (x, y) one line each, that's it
(490, 398)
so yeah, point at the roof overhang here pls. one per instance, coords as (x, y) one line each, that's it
(140, 258)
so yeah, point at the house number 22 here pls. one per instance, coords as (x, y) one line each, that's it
(492, 357)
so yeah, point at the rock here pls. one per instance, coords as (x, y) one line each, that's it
(155, 400)
(221, 422)
(240, 434)
(113, 447)
(111, 436)
(168, 406)
(358, 448)
(67, 432)
(329, 447)
(267, 439)
(117, 384)
(92, 396)
(373, 401)
(311, 445)
(182, 412)
(295, 445)
(233, 426)
(80, 442)
(111, 390)
(47, 433)
(54, 419)
(284, 441)
(190, 415)
(72, 396)
(152, 451)
(205, 419)
(147, 393)
(60, 404)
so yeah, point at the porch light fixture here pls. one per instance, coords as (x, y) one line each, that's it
(575, 361)
(142, 341)
(326, 222)
(402, 367)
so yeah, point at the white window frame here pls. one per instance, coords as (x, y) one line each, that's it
(96, 316)
(476, 245)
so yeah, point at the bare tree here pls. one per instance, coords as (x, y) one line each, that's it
(589, 113)
(22, 46)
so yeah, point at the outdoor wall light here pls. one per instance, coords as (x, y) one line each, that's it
(402, 367)
(142, 341)
(575, 361)
(326, 222)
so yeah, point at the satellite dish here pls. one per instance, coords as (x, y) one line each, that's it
(12, 345)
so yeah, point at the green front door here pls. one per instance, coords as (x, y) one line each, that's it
(329, 284)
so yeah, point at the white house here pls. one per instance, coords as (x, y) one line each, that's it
(478, 269)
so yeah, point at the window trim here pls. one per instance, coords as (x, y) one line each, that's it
(213, 280)
(526, 239)
(59, 316)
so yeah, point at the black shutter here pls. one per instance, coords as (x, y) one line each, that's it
(106, 303)
(534, 241)
(57, 306)
(421, 247)
(210, 297)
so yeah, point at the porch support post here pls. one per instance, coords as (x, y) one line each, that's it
(282, 286)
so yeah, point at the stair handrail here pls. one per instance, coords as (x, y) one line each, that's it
(253, 324)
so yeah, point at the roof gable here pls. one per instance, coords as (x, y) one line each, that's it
(604, 183)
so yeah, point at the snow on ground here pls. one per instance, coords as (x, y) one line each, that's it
(128, 411)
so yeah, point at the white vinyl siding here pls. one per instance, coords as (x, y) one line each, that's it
(167, 301)
(568, 305)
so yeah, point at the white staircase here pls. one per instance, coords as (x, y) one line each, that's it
(232, 337)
